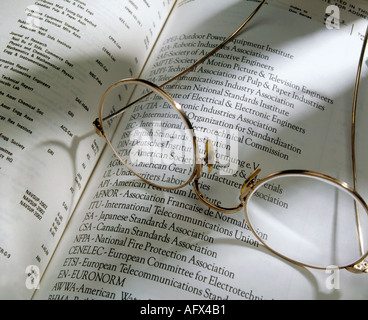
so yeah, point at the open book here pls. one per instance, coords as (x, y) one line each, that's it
(76, 224)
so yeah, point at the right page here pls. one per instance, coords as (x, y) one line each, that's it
(277, 97)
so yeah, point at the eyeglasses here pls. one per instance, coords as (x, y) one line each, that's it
(153, 137)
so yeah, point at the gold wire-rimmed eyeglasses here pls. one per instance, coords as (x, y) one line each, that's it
(149, 132)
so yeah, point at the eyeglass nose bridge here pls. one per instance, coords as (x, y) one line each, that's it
(247, 186)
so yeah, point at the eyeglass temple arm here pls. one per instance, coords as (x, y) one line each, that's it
(219, 47)
(213, 51)
(362, 266)
(353, 134)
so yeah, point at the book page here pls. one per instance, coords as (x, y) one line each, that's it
(280, 97)
(57, 58)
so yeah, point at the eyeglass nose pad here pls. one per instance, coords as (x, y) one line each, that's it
(248, 183)
(210, 155)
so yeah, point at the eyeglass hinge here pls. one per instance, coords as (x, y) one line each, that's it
(98, 127)
(361, 267)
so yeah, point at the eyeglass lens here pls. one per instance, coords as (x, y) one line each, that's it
(307, 220)
(149, 137)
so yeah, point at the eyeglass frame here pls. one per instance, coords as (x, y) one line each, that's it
(251, 184)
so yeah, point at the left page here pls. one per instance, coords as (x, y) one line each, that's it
(56, 59)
